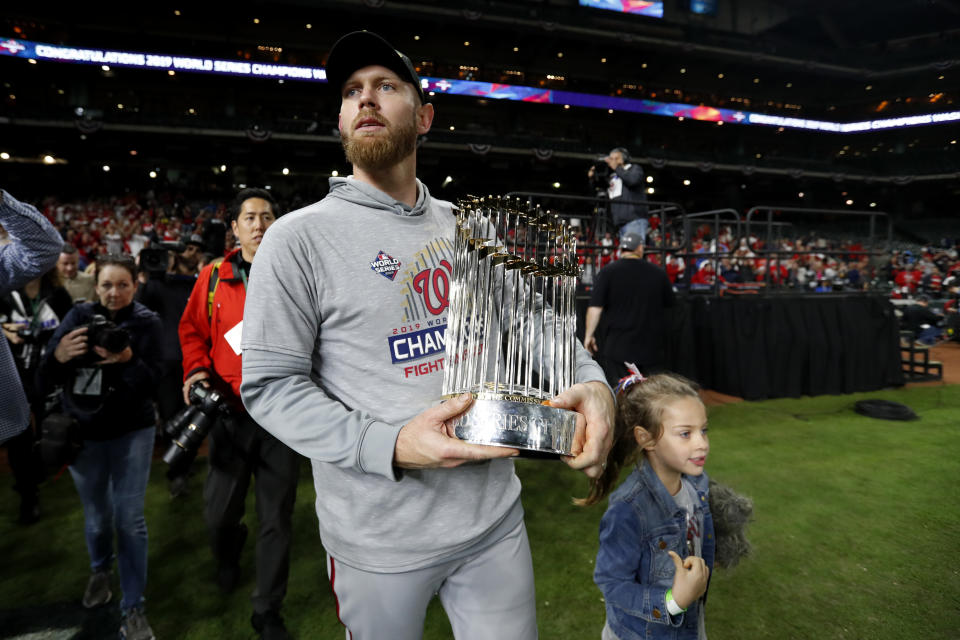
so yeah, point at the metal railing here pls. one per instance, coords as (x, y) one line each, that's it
(873, 246)
(676, 232)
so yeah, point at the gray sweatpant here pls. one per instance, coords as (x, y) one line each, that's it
(488, 595)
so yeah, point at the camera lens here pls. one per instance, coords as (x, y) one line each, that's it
(190, 438)
(189, 427)
(177, 423)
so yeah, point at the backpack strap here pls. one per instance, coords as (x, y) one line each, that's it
(212, 288)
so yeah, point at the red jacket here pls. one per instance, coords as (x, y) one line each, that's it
(202, 336)
(909, 278)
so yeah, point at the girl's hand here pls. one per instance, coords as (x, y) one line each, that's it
(109, 357)
(690, 579)
(72, 345)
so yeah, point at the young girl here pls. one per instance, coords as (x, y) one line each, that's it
(657, 538)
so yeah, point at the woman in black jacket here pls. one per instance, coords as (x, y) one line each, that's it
(107, 356)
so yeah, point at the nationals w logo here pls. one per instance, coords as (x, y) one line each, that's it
(426, 282)
(434, 286)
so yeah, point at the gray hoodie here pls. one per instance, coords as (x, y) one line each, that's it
(343, 343)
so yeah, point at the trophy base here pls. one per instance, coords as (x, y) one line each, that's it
(518, 422)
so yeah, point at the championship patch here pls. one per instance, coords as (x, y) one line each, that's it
(386, 265)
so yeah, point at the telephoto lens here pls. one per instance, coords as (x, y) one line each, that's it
(190, 438)
(177, 423)
(189, 427)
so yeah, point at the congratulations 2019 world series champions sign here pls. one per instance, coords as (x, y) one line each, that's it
(505, 345)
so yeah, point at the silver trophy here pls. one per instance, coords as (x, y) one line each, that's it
(506, 344)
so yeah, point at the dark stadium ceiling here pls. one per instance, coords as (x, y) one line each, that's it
(823, 58)
(853, 40)
(839, 61)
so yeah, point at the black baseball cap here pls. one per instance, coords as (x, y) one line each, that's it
(362, 49)
(631, 241)
(197, 239)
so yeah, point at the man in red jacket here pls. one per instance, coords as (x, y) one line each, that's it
(210, 331)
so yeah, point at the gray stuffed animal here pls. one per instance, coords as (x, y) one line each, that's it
(731, 513)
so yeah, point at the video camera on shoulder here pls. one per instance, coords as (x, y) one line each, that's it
(156, 259)
(188, 428)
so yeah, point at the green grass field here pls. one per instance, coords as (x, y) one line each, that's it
(856, 536)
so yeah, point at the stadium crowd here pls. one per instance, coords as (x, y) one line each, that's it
(812, 260)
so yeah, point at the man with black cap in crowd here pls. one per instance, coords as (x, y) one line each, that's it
(624, 187)
(210, 333)
(630, 295)
(343, 355)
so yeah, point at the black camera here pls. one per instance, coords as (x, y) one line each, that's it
(188, 428)
(34, 335)
(157, 259)
(601, 174)
(154, 260)
(104, 333)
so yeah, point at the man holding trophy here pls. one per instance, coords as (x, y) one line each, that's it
(345, 348)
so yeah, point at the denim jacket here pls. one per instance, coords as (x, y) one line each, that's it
(634, 571)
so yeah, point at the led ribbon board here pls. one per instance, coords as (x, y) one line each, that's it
(490, 90)
(130, 59)
(635, 7)
(497, 91)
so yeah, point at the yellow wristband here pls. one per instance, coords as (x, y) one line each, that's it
(672, 606)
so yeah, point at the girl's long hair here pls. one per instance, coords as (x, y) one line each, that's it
(639, 403)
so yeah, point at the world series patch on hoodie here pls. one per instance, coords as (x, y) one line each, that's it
(386, 265)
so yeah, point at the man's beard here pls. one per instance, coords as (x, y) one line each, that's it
(188, 264)
(378, 152)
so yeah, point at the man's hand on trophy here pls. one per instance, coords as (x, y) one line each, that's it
(594, 435)
(427, 442)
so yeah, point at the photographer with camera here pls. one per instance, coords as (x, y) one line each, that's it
(106, 355)
(171, 269)
(31, 251)
(622, 182)
(210, 332)
(29, 316)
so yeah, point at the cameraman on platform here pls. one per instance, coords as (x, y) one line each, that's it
(622, 181)
(210, 331)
